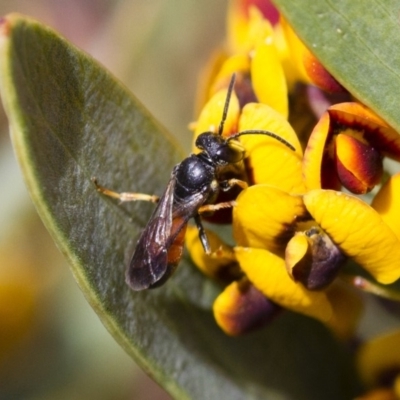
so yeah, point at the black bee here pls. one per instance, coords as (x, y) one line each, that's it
(192, 188)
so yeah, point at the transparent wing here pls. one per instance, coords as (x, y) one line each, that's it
(149, 262)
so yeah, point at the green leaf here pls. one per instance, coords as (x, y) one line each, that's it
(358, 42)
(70, 120)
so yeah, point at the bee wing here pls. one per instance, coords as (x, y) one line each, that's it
(149, 262)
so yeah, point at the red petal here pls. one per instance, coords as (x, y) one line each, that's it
(359, 166)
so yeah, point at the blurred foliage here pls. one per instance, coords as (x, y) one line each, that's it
(52, 344)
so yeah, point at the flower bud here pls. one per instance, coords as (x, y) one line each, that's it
(241, 308)
(313, 259)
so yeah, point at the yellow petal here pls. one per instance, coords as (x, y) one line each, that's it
(359, 165)
(297, 51)
(396, 388)
(267, 75)
(367, 125)
(270, 161)
(265, 217)
(288, 66)
(211, 116)
(377, 356)
(241, 308)
(264, 117)
(358, 230)
(221, 265)
(318, 260)
(347, 307)
(296, 250)
(380, 393)
(268, 274)
(309, 69)
(206, 78)
(246, 27)
(234, 64)
(358, 122)
(387, 201)
(315, 152)
(238, 26)
(276, 166)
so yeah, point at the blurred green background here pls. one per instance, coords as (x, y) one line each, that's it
(52, 345)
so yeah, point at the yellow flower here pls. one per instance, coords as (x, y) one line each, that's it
(251, 22)
(241, 308)
(246, 23)
(346, 225)
(260, 289)
(252, 54)
(266, 221)
(267, 57)
(386, 203)
(268, 273)
(291, 242)
(378, 363)
(268, 160)
(304, 66)
(346, 148)
(283, 165)
(223, 267)
(293, 229)
(358, 230)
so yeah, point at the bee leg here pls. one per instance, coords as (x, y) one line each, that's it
(125, 196)
(215, 207)
(225, 252)
(226, 185)
(202, 234)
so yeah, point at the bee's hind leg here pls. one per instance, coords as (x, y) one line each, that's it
(125, 196)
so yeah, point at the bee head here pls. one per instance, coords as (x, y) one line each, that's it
(220, 150)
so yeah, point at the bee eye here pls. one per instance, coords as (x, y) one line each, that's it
(230, 152)
(222, 151)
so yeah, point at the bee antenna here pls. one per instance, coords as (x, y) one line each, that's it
(262, 132)
(226, 107)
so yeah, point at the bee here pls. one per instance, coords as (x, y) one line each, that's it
(192, 190)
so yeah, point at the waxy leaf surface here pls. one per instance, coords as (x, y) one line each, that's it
(358, 43)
